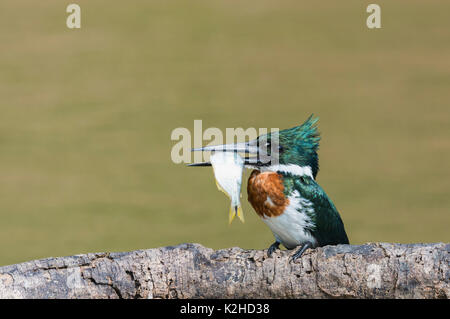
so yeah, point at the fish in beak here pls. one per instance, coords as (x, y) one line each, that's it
(228, 168)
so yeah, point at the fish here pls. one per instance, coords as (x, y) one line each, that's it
(228, 168)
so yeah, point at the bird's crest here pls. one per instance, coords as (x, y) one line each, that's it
(305, 134)
(308, 133)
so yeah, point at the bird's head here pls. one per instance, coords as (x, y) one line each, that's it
(293, 149)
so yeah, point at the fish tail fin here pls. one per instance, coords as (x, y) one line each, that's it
(240, 214)
(231, 214)
(236, 210)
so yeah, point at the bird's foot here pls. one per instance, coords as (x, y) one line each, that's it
(273, 248)
(301, 250)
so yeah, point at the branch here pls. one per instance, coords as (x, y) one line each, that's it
(376, 270)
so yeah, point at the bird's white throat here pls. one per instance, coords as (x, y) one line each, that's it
(290, 169)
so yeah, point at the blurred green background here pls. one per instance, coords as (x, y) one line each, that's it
(86, 117)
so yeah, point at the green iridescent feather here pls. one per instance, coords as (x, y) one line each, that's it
(328, 227)
(300, 145)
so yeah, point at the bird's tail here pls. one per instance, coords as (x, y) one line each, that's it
(236, 210)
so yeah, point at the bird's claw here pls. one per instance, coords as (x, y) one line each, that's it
(272, 249)
(300, 251)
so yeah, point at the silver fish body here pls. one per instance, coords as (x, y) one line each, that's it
(228, 168)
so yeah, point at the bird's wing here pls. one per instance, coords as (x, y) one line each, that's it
(329, 228)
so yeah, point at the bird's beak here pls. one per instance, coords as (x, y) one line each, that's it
(238, 147)
(245, 148)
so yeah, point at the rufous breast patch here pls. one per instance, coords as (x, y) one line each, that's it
(266, 193)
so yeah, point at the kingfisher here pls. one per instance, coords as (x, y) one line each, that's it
(283, 191)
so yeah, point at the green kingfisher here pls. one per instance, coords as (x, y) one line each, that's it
(283, 191)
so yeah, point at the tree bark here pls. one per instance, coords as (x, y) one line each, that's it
(374, 270)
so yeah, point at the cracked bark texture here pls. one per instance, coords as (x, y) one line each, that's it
(374, 270)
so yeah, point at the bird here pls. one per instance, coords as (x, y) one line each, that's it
(283, 191)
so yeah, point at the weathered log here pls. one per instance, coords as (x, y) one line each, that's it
(375, 270)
